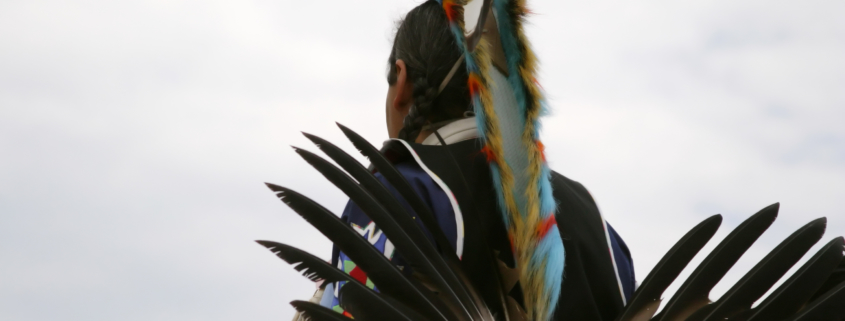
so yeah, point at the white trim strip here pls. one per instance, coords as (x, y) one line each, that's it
(459, 218)
(613, 259)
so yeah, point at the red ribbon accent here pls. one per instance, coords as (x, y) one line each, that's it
(449, 7)
(510, 239)
(474, 84)
(491, 157)
(542, 149)
(544, 227)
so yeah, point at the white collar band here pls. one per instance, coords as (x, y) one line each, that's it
(456, 131)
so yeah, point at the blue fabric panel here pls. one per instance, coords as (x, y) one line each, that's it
(428, 190)
(328, 296)
(624, 263)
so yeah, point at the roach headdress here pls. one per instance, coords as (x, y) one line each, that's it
(508, 103)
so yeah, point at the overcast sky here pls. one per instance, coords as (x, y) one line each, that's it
(135, 136)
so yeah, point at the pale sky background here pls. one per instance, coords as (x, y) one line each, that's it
(135, 136)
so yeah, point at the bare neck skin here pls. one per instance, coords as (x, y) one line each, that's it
(399, 101)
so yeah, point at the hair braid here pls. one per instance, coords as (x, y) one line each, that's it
(424, 96)
(426, 44)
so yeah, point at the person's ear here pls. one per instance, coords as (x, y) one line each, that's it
(404, 88)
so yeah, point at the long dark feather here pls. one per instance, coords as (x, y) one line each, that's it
(382, 272)
(828, 307)
(403, 219)
(311, 266)
(378, 191)
(395, 233)
(769, 270)
(365, 305)
(798, 289)
(392, 175)
(646, 299)
(315, 312)
(835, 277)
(693, 294)
(398, 181)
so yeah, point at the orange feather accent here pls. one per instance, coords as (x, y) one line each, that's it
(542, 149)
(544, 227)
(537, 82)
(491, 156)
(474, 84)
(449, 6)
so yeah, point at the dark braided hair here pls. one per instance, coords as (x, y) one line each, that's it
(426, 44)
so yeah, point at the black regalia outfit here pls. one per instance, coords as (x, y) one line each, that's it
(478, 227)
(591, 288)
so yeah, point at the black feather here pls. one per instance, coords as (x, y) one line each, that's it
(645, 300)
(381, 272)
(365, 304)
(315, 312)
(769, 270)
(316, 269)
(693, 293)
(835, 277)
(394, 220)
(392, 175)
(378, 191)
(828, 307)
(799, 288)
(398, 181)
(395, 233)
(311, 266)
